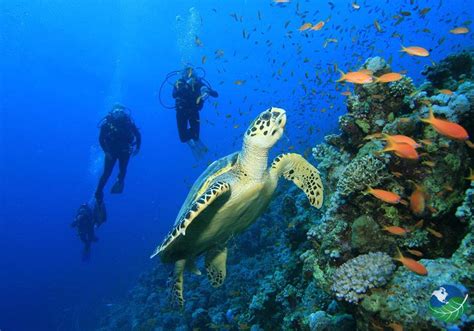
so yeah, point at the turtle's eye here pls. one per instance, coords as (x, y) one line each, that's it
(266, 116)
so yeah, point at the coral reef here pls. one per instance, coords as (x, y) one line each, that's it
(355, 277)
(298, 268)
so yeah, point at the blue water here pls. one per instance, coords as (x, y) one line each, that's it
(64, 63)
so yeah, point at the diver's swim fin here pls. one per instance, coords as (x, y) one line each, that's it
(118, 187)
(195, 150)
(202, 148)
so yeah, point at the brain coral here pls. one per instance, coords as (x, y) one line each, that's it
(360, 173)
(356, 276)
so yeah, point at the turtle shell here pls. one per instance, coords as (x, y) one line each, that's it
(201, 184)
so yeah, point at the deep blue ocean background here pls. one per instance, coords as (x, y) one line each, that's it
(64, 63)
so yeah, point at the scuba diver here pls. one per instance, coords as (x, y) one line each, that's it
(88, 217)
(190, 91)
(119, 138)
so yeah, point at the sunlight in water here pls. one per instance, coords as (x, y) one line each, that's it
(96, 161)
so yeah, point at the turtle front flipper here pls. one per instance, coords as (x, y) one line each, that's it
(202, 202)
(216, 259)
(295, 168)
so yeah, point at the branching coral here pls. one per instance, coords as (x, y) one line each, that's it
(355, 277)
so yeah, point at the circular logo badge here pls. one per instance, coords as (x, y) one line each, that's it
(448, 303)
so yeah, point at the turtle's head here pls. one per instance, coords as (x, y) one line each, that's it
(267, 128)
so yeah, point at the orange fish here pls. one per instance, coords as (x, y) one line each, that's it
(385, 196)
(377, 26)
(346, 93)
(415, 50)
(446, 92)
(239, 82)
(417, 200)
(446, 128)
(396, 230)
(415, 252)
(404, 151)
(400, 139)
(411, 264)
(366, 71)
(427, 142)
(305, 27)
(460, 30)
(469, 144)
(419, 224)
(388, 78)
(435, 233)
(471, 175)
(395, 326)
(318, 26)
(355, 77)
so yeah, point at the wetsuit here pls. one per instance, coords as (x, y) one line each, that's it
(117, 137)
(188, 104)
(84, 222)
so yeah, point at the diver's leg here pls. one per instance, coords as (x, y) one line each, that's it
(109, 163)
(195, 128)
(194, 125)
(182, 122)
(123, 163)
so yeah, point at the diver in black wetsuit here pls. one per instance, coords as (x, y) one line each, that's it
(190, 92)
(87, 219)
(119, 138)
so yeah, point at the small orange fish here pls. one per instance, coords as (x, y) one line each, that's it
(435, 233)
(305, 27)
(460, 30)
(417, 200)
(446, 128)
(396, 230)
(318, 26)
(427, 142)
(355, 77)
(430, 164)
(395, 326)
(446, 92)
(419, 224)
(471, 175)
(366, 71)
(415, 252)
(397, 174)
(411, 264)
(346, 93)
(404, 151)
(384, 195)
(388, 78)
(469, 144)
(415, 51)
(400, 139)
(239, 82)
(377, 26)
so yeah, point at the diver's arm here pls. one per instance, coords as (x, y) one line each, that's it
(138, 139)
(103, 140)
(178, 91)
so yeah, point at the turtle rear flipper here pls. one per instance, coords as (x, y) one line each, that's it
(216, 266)
(295, 168)
(177, 289)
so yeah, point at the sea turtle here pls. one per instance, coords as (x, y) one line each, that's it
(229, 196)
